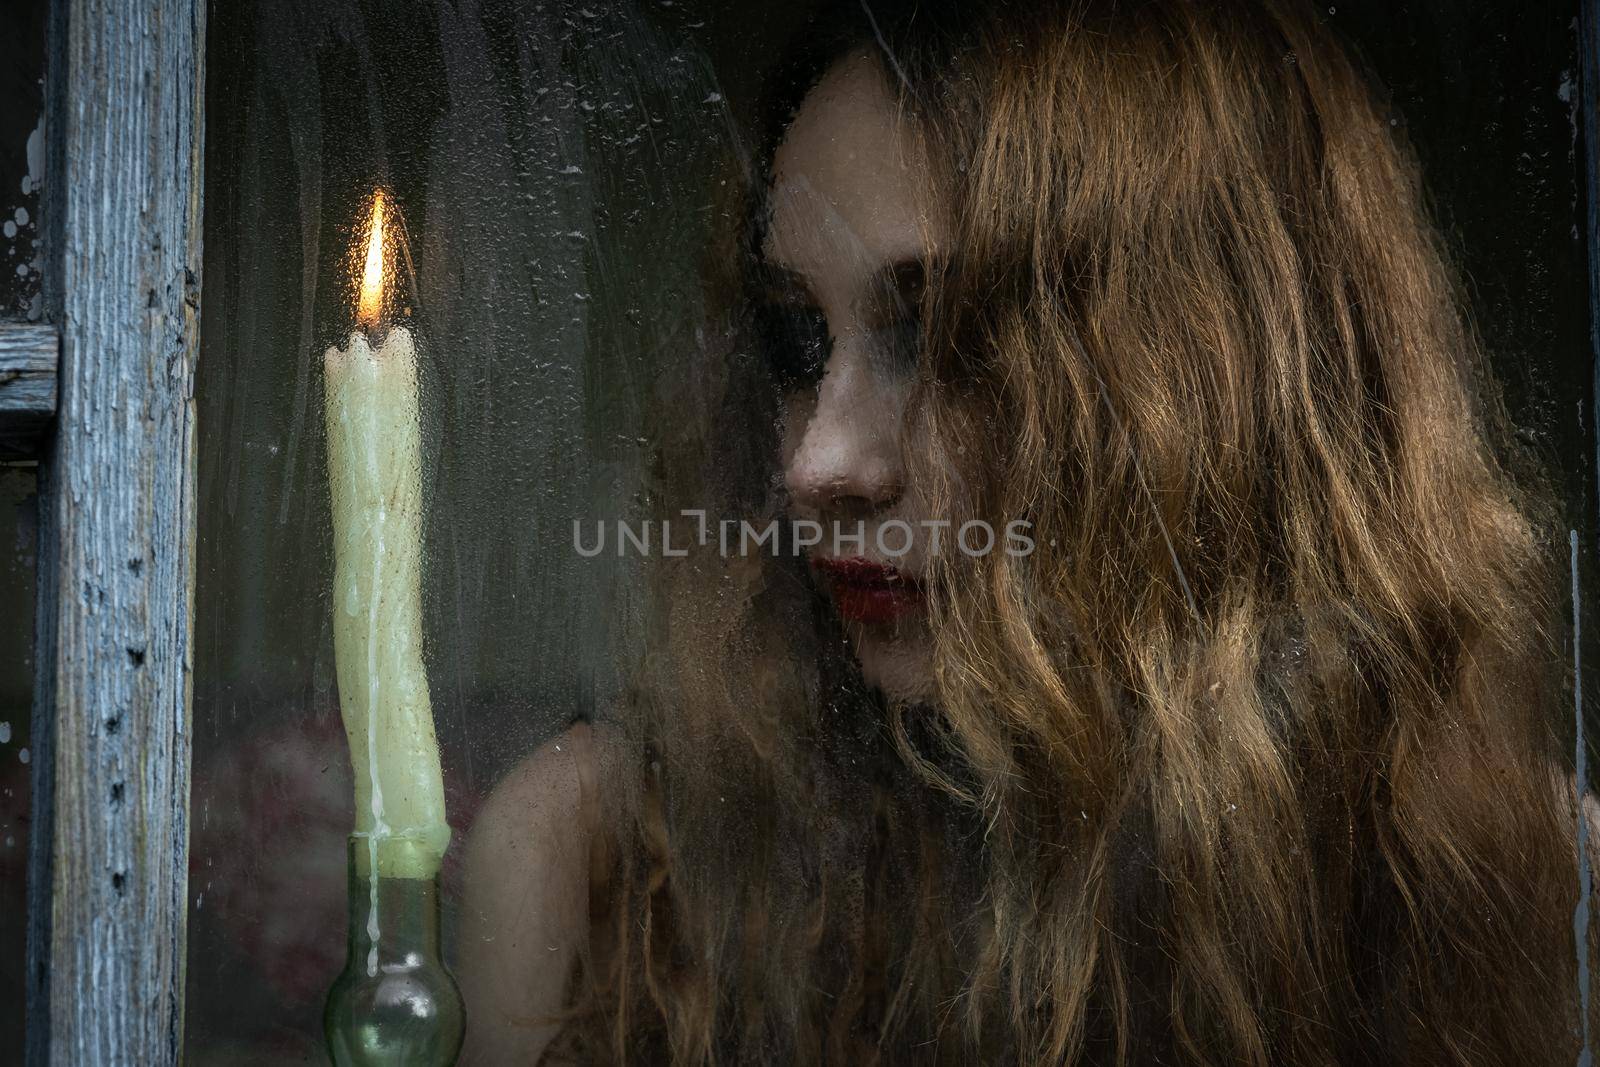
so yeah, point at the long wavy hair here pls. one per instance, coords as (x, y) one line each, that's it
(1252, 759)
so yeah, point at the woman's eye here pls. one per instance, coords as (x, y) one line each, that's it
(900, 342)
(795, 343)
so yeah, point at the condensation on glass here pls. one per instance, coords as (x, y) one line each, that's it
(22, 162)
(562, 171)
(556, 173)
(21, 172)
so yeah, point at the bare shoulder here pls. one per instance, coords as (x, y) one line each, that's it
(531, 835)
(548, 794)
(525, 908)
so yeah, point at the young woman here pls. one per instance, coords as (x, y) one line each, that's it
(1247, 758)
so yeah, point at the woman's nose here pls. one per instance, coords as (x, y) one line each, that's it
(848, 460)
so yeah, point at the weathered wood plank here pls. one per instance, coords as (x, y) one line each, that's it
(28, 352)
(121, 211)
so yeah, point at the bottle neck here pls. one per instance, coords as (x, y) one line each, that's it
(394, 921)
(395, 1002)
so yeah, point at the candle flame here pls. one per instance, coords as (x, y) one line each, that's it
(369, 307)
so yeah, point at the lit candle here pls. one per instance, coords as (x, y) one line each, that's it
(374, 474)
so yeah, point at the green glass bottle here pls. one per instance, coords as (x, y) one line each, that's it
(395, 1002)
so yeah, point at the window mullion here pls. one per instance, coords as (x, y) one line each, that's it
(109, 854)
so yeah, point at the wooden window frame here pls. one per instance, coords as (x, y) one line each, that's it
(121, 220)
(103, 394)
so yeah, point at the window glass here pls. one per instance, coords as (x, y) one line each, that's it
(21, 168)
(18, 534)
(22, 161)
(1241, 363)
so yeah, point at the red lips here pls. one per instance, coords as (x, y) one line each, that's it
(868, 592)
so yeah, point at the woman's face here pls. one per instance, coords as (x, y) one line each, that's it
(844, 258)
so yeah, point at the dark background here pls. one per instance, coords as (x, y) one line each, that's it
(21, 109)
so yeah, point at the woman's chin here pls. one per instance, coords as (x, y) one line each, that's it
(898, 664)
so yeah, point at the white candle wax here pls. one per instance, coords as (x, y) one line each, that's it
(374, 474)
